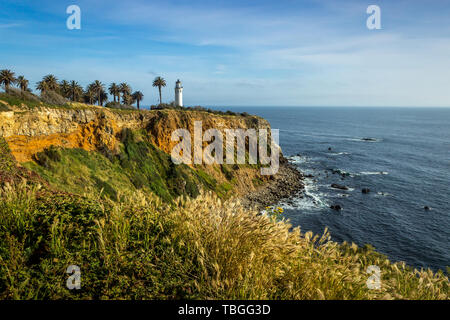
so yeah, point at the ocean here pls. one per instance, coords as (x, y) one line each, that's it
(401, 154)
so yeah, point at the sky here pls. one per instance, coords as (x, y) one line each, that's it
(239, 53)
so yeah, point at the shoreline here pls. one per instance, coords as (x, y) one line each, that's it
(285, 184)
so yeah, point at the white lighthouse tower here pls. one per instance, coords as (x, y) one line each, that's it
(178, 94)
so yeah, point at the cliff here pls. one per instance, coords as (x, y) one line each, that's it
(30, 132)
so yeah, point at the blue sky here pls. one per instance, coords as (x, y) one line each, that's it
(260, 53)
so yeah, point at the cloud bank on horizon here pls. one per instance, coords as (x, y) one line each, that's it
(260, 53)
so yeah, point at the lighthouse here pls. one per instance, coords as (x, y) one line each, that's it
(178, 94)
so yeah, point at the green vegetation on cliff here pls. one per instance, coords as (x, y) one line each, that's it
(138, 166)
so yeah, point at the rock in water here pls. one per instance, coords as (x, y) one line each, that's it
(338, 186)
(365, 190)
(427, 208)
(336, 207)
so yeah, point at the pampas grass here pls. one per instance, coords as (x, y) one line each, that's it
(140, 248)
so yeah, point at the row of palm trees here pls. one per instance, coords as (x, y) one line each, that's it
(94, 92)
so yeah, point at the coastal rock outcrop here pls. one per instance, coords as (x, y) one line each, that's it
(286, 183)
(338, 186)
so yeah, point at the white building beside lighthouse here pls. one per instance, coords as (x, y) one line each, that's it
(178, 94)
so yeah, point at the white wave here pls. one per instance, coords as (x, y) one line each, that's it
(339, 153)
(311, 200)
(368, 173)
(297, 159)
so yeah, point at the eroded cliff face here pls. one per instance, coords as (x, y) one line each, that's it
(28, 132)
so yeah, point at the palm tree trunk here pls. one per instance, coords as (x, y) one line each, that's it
(160, 100)
(138, 104)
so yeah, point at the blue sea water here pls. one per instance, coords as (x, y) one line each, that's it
(406, 165)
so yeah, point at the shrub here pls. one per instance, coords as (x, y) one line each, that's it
(4, 107)
(117, 105)
(24, 95)
(138, 248)
(227, 172)
(113, 105)
(46, 157)
(6, 159)
(51, 97)
(105, 188)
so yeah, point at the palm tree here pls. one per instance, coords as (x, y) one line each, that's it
(91, 93)
(51, 81)
(103, 97)
(41, 86)
(125, 89)
(75, 90)
(159, 82)
(7, 78)
(98, 87)
(64, 88)
(127, 99)
(23, 83)
(138, 96)
(114, 89)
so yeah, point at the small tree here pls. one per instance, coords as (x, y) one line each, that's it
(22, 83)
(114, 90)
(99, 88)
(138, 96)
(159, 83)
(125, 89)
(7, 78)
(76, 91)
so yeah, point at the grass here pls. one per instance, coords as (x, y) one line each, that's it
(139, 248)
(17, 101)
(3, 107)
(6, 159)
(138, 166)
